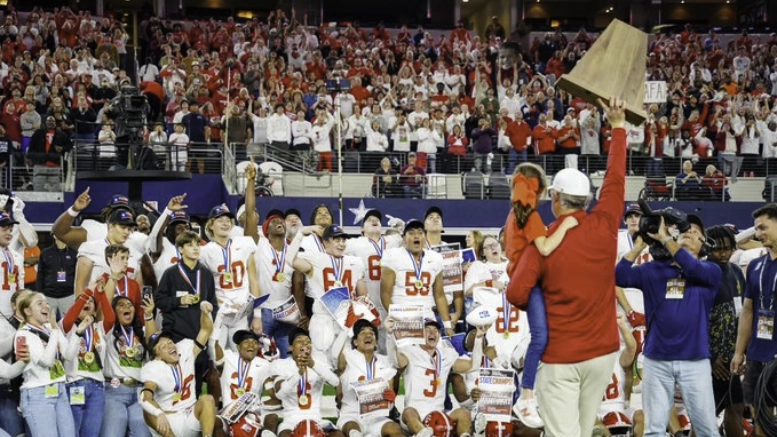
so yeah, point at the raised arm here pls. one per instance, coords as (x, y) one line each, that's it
(206, 327)
(63, 227)
(252, 218)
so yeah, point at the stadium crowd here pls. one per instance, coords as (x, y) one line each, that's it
(143, 328)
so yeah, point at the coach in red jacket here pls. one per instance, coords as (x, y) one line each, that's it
(578, 283)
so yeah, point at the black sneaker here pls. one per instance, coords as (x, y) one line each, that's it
(394, 414)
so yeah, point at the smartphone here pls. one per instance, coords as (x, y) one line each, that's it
(147, 294)
(21, 346)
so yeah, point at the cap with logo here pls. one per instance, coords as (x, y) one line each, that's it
(219, 211)
(333, 231)
(373, 213)
(122, 217)
(632, 209)
(7, 220)
(179, 217)
(119, 201)
(413, 224)
(571, 181)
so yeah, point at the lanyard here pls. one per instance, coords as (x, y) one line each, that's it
(186, 278)
(761, 283)
(337, 266)
(303, 383)
(379, 247)
(280, 258)
(242, 371)
(417, 266)
(371, 367)
(227, 255)
(129, 338)
(176, 377)
(9, 259)
(88, 336)
(506, 310)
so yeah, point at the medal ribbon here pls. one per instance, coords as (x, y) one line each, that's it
(437, 363)
(242, 371)
(417, 266)
(371, 367)
(176, 377)
(303, 383)
(318, 243)
(506, 309)
(129, 338)
(227, 255)
(9, 260)
(126, 288)
(280, 258)
(337, 266)
(379, 247)
(88, 336)
(186, 278)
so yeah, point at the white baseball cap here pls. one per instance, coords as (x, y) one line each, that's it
(571, 181)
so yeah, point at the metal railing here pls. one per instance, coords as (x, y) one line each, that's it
(20, 174)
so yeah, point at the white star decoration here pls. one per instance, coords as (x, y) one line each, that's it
(360, 212)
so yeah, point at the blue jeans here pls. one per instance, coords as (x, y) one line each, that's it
(695, 380)
(10, 419)
(122, 410)
(538, 327)
(277, 330)
(88, 418)
(515, 157)
(50, 417)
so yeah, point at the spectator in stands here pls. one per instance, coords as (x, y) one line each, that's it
(482, 145)
(385, 183)
(279, 129)
(47, 149)
(495, 29)
(195, 124)
(411, 177)
(30, 121)
(688, 182)
(237, 129)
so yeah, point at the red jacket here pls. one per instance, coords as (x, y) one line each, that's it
(578, 280)
(518, 132)
(545, 139)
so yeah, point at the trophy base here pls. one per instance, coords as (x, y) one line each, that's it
(591, 94)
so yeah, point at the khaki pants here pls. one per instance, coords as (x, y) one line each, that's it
(569, 395)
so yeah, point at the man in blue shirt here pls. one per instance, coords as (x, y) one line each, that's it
(679, 295)
(755, 336)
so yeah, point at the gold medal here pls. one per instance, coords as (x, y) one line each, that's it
(506, 335)
(89, 357)
(177, 396)
(419, 284)
(439, 382)
(130, 352)
(303, 400)
(241, 392)
(196, 298)
(280, 277)
(228, 277)
(11, 278)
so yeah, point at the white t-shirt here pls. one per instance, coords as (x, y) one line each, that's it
(45, 366)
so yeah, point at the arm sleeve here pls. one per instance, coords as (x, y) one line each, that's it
(626, 275)
(704, 272)
(326, 373)
(72, 314)
(534, 228)
(614, 187)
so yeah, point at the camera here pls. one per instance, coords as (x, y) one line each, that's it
(650, 222)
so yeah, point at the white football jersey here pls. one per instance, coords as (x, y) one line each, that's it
(356, 370)
(11, 279)
(167, 258)
(425, 377)
(405, 290)
(95, 252)
(614, 400)
(230, 268)
(324, 274)
(268, 261)
(511, 328)
(292, 389)
(312, 244)
(238, 374)
(626, 243)
(176, 389)
(371, 252)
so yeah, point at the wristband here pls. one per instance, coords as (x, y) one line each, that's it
(72, 212)
(258, 312)
(489, 283)
(447, 324)
(167, 212)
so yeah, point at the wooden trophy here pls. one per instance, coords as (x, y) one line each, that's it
(614, 66)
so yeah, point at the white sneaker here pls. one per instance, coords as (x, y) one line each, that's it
(268, 433)
(480, 424)
(426, 432)
(527, 411)
(353, 433)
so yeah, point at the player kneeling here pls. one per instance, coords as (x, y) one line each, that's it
(427, 367)
(244, 375)
(299, 384)
(363, 370)
(169, 392)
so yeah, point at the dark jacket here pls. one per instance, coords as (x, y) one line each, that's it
(37, 151)
(183, 321)
(52, 261)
